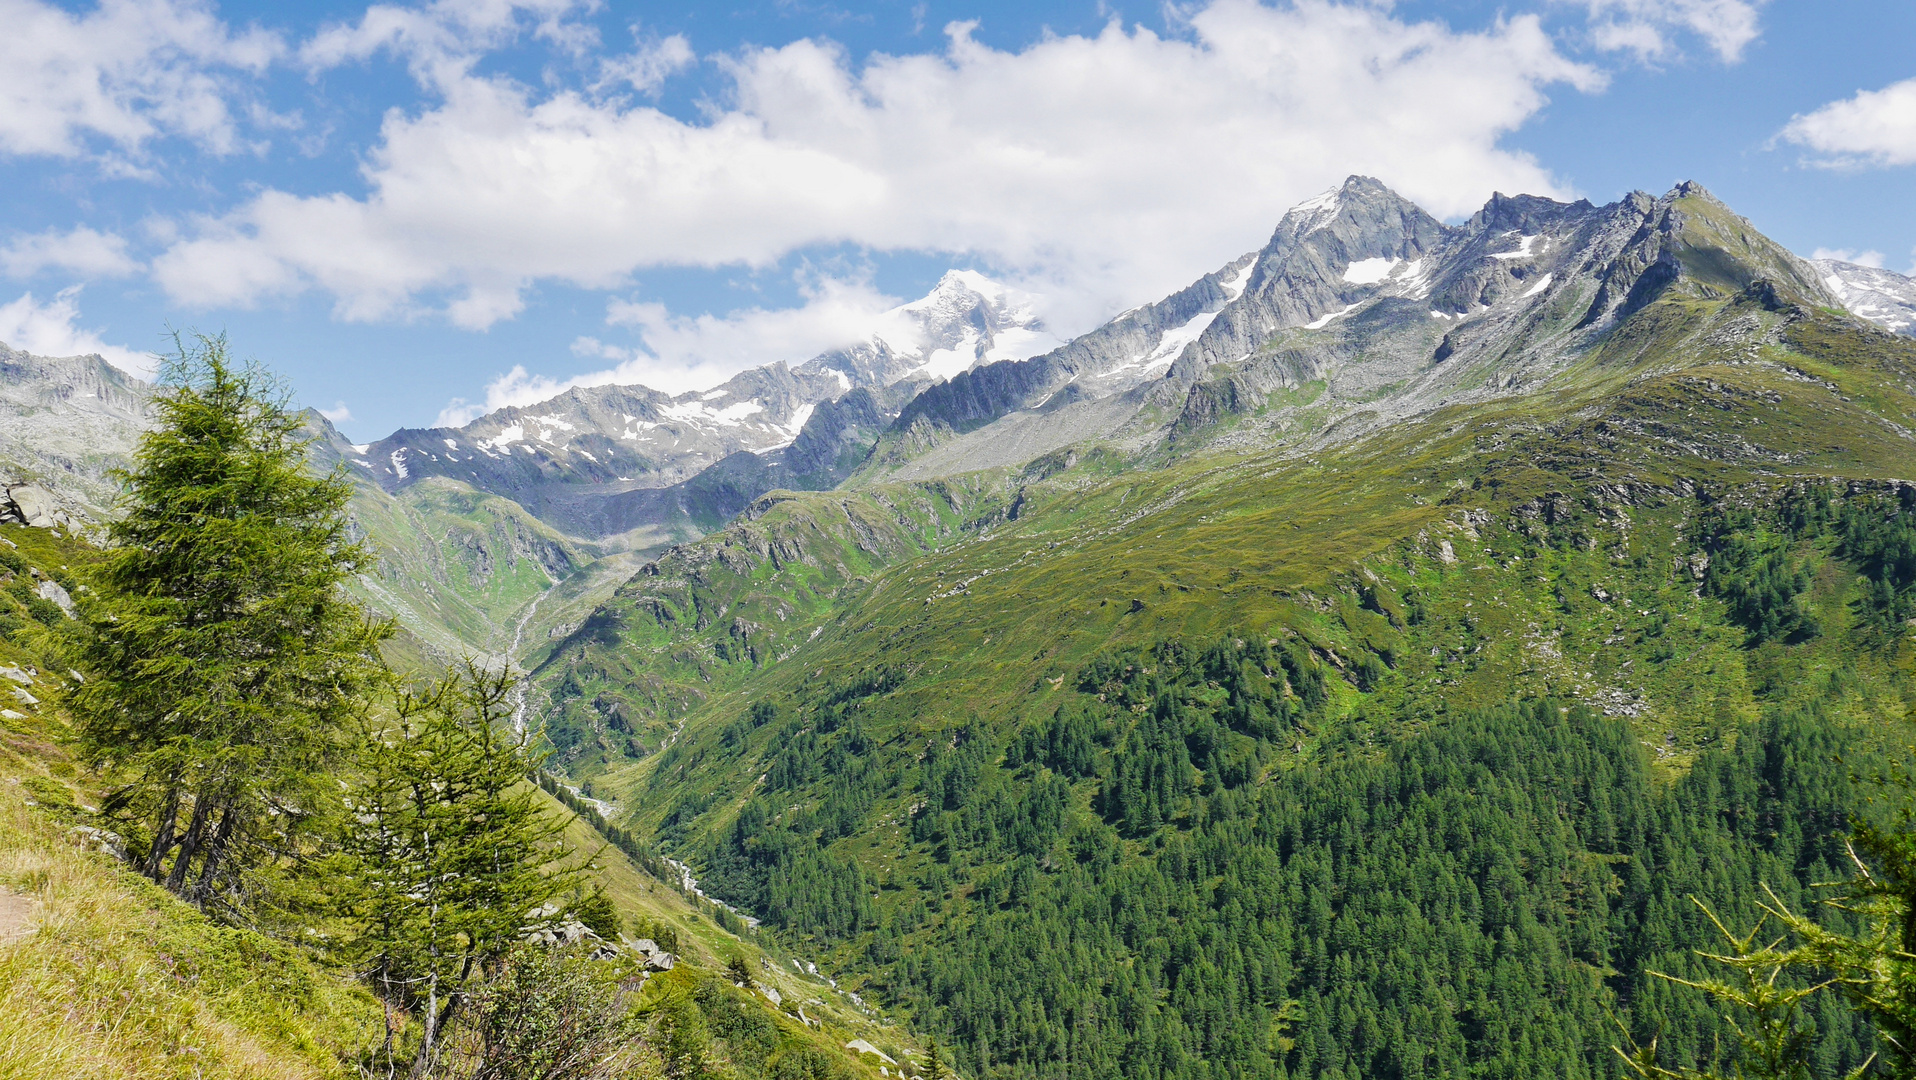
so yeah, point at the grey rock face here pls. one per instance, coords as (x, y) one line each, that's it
(51, 590)
(104, 841)
(31, 504)
(1884, 297)
(603, 461)
(64, 423)
(1358, 299)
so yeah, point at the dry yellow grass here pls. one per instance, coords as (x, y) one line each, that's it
(109, 977)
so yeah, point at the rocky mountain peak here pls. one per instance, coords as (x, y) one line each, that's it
(1362, 219)
(66, 422)
(966, 319)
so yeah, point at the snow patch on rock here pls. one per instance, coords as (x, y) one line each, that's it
(1319, 324)
(1370, 271)
(1524, 246)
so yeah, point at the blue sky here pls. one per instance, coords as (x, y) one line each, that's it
(419, 211)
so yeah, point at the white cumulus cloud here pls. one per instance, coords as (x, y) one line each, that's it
(678, 353)
(1098, 171)
(52, 329)
(1646, 27)
(1875, 127)
(125, 72)
(82, 251)
(441, 40)
(1850, 255)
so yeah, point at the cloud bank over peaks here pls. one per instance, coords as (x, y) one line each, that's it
(1095, 170)
(52, 329)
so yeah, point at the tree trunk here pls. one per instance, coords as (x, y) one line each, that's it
(163, 838)
(189, 846)
(215, 854)
(422, 1063)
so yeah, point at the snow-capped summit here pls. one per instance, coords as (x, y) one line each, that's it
(1882, 296)
(602, 459)
(967, 319)
(1312, 214)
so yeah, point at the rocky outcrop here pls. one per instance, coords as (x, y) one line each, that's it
(31, 504)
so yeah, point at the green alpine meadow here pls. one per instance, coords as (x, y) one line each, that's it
(1411, 696)
(1481, 649)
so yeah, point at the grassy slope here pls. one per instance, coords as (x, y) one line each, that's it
(109, 976)
(707, 616)
(469, 566)
(1540, 540)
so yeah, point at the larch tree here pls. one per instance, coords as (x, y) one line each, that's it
(449, 853)
(219, 655)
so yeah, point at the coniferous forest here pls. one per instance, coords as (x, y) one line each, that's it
(1142, 880)
(1557, 723)
(1473, 897)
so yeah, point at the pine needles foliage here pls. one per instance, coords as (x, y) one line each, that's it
(221, 659)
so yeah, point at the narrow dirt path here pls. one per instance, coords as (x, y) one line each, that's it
(16, 915)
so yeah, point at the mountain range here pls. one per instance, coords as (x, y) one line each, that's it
(1347, 665)
(954, 382)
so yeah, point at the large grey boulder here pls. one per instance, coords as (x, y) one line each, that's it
(31, 504)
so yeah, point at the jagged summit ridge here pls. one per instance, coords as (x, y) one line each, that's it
(967, 319)
(1364, 294)
(605, 460)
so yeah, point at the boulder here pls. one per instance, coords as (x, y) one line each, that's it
(864, 1047)
(650, 955)
(51, 590)
(570, 932)
(31, 504)
(101, 840)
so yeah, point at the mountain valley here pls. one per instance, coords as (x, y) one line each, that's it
(1348, 665)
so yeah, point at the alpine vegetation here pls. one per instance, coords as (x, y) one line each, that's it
(358, 874)
(1414, 648)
